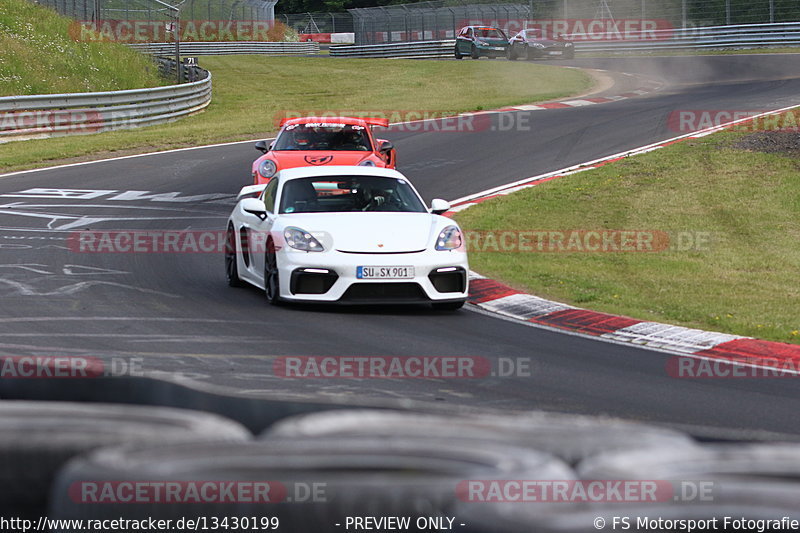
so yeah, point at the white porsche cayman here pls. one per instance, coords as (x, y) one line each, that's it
(345, 234)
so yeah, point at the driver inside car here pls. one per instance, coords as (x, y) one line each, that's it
(352, 140)
(302, 139)
(375, 199)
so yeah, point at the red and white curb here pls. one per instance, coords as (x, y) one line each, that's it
(495, 297)
(647, 87)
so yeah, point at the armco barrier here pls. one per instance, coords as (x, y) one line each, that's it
(408, 50)
(227, 48)
(707, 38)
(50, 115)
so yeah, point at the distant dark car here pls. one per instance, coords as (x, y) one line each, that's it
(533, 44)
(477, 41)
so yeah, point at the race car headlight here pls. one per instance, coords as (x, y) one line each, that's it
(538, 45)
(367, 163)
(302, 240)
(267, 168)
(449, 238)
(568, 45)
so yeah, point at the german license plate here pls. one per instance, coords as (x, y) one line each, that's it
(498, 48)
(385, 272)
(555, 52)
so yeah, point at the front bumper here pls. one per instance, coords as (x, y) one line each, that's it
(331, 277)
(492, 50)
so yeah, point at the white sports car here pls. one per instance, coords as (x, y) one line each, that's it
(345, 234)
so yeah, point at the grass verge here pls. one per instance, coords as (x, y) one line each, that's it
(744, 206)
(37, 56)
(250, 90)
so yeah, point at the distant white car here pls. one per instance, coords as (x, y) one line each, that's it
(346, 234)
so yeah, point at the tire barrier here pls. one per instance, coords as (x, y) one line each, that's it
(37, 438)
(569, 437)
(307, 484)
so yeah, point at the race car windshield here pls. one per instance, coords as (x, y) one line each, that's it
(346, 194)
(324, 136)
(489, 34)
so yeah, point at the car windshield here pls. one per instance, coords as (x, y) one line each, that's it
(324, 136)
(489, 33)
(336, 194)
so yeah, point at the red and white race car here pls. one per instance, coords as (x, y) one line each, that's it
(316, 141)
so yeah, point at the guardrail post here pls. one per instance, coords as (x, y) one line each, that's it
(178, 47)
(683, 15)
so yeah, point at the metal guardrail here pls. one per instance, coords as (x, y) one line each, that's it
(51, 115)
(407, 50)
(743, 36)
(227, 48)
(714, 37)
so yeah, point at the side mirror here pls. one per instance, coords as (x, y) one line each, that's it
(254, 206)
(386, 146)
(439, 206)
(261, 146)
(250, 191)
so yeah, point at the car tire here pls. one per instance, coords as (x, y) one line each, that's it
(511, 55)
(754, 474)
(521, 518)
(776, 461)
(38, 437)
(572, 438)
(529, 53)
(474, 54)
(456, 53)
(231, 259)
(359, 476)
(447, 306)
(272, 283)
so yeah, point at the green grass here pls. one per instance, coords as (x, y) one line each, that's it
(250, 90)
(38, 56)
(744, 281)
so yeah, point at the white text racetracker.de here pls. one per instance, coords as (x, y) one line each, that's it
(399, 523)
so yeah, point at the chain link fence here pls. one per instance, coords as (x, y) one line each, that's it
(318, 22)
(424, 21)
(441, 19)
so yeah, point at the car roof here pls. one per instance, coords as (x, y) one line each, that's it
(337, 170)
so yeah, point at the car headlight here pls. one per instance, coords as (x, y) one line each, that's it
(267, 168)
(449, 238)
(568, 44)
(538, 45)
(367, 163)
(302, 240)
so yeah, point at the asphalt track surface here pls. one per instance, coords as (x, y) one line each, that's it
(174, 313)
